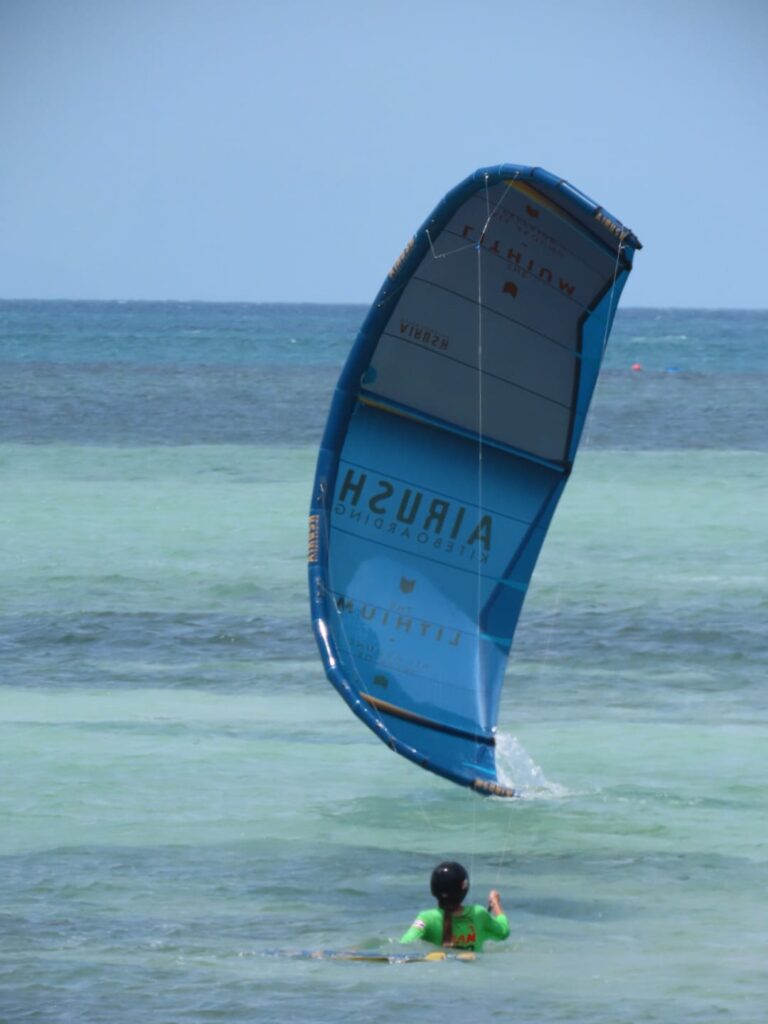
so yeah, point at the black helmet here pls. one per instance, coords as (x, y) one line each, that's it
(450, 884)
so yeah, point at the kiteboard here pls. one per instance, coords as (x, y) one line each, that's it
(435, 956)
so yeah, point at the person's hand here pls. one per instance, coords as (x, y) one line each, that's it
(494, 901)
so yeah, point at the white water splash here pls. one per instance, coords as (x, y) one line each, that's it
(517, 769)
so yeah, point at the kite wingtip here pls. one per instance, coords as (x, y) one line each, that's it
(492, 788)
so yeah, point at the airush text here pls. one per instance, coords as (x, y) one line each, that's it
(409, 514)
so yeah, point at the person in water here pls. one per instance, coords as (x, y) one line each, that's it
(451, 923)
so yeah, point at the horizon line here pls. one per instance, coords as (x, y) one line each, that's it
(340, 302)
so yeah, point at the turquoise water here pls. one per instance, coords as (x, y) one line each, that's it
(182, 796)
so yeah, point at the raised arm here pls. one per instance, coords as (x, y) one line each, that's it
(498, 925)
(494, 902)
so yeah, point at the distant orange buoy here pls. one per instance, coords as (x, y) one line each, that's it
(636, 366)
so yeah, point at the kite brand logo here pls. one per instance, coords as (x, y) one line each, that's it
(613, 226)
(426, 335)
(519, 262)
(531, 211)
(314, 538)
(407, 585)
(409, 514)
(402, 258)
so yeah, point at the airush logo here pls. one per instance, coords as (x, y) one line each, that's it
(426, 335)
(408, 514)
(613, 226)
(402, 258)
(314, 539)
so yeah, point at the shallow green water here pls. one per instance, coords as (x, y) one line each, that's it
(182, 794)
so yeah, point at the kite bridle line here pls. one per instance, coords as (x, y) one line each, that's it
(478, 246)
(548, 644)
(479, 574)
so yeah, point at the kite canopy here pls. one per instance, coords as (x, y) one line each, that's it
(451, 435)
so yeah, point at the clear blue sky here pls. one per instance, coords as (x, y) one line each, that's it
(282, 150)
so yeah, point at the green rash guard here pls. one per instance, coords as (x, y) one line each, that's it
(471, 928)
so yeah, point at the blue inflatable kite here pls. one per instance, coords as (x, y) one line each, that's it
(451, 436)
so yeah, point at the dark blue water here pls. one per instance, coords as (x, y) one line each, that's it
(194, 373)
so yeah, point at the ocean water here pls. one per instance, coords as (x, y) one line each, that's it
(184, 799)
